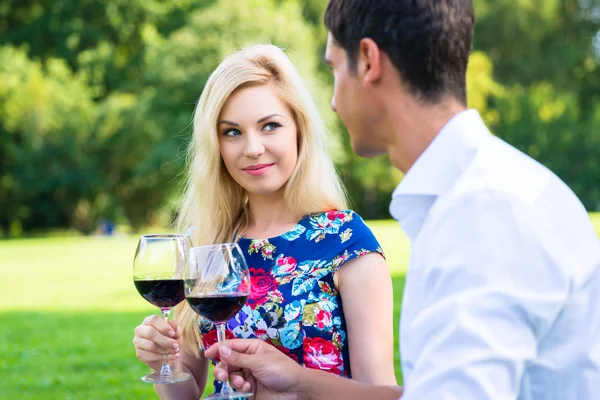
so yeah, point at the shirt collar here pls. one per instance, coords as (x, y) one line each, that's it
(437, 169)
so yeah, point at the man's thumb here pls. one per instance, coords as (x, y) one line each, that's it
(235, 359)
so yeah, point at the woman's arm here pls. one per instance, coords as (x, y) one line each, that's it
(365, 286)
(193, 387)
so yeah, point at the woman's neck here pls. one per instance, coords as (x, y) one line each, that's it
(270, 217)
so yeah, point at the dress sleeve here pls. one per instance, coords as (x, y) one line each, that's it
(355, 239)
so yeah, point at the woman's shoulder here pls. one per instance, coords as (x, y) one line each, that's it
(334, 213)
(331, 223)
(336, 217)
(341, 232)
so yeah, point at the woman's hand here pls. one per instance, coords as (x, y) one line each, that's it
(154, 339)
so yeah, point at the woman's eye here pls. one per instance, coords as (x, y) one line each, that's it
(232, 132)
(271, 126)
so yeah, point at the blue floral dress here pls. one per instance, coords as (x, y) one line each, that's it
(293, 303)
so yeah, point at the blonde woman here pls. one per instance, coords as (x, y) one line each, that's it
(259, 174)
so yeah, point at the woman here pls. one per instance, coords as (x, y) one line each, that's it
(260, 175)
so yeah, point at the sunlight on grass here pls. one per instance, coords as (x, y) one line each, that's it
(95, 273)
(70, 273)
(395, 244)
(595, 217)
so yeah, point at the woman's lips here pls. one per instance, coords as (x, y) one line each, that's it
(258, 169)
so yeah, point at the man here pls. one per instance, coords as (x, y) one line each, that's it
(503, 284)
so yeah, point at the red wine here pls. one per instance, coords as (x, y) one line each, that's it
(163, 293)
(219, 308)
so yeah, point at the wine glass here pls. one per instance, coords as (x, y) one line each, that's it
(217, 284)
(158, 276)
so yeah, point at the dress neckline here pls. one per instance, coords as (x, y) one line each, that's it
(293, 229)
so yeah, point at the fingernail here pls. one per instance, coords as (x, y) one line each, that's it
(175, 346)
(177, 355)
(171, 333)
(224, 350)
(221, 376)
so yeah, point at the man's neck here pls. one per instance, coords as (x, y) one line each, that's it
(413, 126)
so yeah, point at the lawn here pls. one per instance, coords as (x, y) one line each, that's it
(68, 309)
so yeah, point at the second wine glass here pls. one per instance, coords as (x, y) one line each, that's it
(217, 285)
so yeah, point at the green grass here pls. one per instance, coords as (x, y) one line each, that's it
(595, 217)
(68, 309)
(70, 355)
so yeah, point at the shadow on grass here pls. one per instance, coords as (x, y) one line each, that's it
(54, 355)
(82, 355)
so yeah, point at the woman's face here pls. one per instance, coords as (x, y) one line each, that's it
(258, 139)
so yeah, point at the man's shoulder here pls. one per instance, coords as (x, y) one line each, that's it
(500, 179)
(509, 190)
(500, 170)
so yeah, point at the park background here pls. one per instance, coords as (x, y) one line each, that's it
(96, 100)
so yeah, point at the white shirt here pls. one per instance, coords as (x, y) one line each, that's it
(502, 295)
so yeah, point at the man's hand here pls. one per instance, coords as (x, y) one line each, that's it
(253, 365)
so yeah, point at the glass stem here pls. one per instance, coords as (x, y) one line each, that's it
(165, 370)
(225, 389)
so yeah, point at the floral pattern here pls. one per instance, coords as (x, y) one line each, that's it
(210, 338)
(263, 247)
(322, 354)
(262, 286)
(293, 303)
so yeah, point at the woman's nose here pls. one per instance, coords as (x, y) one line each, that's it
(254, 146)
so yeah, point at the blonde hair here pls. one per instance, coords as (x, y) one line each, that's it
(213, 202)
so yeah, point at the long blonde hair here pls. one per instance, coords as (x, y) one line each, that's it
(213, 202)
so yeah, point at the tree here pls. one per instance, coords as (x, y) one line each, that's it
(177, 68)
(543, 53)
(46, 119)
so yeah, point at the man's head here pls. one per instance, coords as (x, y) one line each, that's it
(419, 46)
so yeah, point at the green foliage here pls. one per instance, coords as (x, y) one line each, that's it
(535, 40)
(177, 67)
(96, 98)
(46, 177)
(542, 54)
(548, 126)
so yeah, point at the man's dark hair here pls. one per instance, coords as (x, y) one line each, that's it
(428, 41)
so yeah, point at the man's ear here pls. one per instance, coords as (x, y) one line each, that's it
(370, 62)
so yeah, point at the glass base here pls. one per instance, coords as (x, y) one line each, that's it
(156, 378)
(234, 395)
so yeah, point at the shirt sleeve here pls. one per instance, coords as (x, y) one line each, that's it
(491, 288)
(355, 239)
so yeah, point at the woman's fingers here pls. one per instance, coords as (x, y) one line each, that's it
(166, 328)
(154, 339)
(153, 360)
(149, 332)
(151, 347)
(175, 328)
